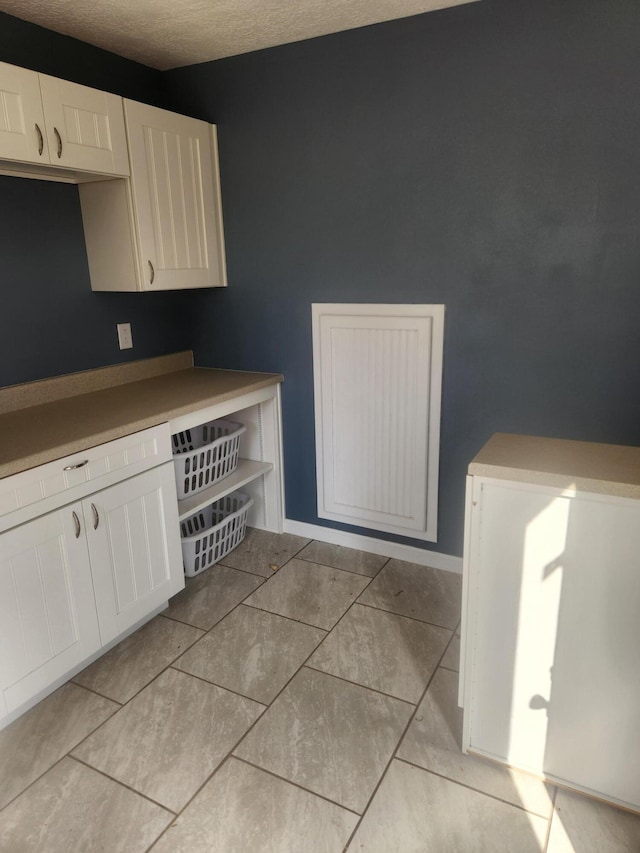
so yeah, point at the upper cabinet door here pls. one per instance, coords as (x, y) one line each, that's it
(176, 199)
(85, 127)
(22, 127)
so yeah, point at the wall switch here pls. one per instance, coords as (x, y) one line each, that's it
(124, 336)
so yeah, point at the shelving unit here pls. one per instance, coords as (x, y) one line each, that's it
(259, 470)
(246, 472)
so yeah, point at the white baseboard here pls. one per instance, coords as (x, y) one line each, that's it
(396, 550)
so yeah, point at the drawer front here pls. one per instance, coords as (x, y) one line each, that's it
(41, 489)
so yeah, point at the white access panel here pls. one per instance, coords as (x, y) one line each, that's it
(377, 384)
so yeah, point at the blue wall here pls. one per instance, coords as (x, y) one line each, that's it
(486, 157)
(50, 321)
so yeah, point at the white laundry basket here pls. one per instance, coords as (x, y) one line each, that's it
(204, 455)
(209, 535)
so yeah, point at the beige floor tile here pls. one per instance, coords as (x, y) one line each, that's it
(208, 598)
(382, 650)
(433, 742)
(348, 559)
(414, 812)
(245, 809)
(170, 737)
(261, 550)
(329, 736)
(432, 595)
(252, 652)
(39, 738)
(451, 659)
(582, 825)
(73, 809)
(311, 593)
(134, 662)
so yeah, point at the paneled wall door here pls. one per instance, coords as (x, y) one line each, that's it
(377, 384)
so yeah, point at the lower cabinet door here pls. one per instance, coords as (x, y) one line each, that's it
(554, 686)
(134, 545)
(48, 620)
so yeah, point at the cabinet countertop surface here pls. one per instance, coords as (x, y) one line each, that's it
(606, 469)
(40, 433)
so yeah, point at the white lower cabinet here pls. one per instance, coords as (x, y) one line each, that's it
(549, 676)
(75, 579)
(48, 620)
(133, 548)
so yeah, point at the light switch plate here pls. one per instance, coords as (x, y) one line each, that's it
(124, 336)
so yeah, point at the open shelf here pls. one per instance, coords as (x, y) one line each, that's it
(246, 471)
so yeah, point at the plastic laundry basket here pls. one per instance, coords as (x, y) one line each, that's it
(203, 456)
(209, 535)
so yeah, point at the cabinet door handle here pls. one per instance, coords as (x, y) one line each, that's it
(152, 273)
(96, 517)
(40, 140)
(59, 138)
(77, 465)
(76, 521)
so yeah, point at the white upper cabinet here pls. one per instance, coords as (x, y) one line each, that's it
(162, 229)
(22, 130)
(85, 127)
(52, 122)
(174, 178)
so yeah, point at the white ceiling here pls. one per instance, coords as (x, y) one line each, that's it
(171, 33)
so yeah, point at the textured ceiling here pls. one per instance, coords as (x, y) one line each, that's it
(170, 33)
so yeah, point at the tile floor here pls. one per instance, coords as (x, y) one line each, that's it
(301, 697)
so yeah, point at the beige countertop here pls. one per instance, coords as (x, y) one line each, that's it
(76, 417)
(607, 469)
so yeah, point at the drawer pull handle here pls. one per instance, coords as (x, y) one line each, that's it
(77, 465)
(152, 272)
(40, 140)
(76, 521)
(96, 517)
(59, 138)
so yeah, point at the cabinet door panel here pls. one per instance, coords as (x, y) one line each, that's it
(47, 614)
(85, 127)
(554, 685)
(176, 199)
(20, 113)
(135, 550)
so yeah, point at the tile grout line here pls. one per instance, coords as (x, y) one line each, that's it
(67, 754)
(551, 816)
(395, 750)
(358, 684)
(295, 784)
(148, 683)
(468, 787)
(229, 755)
(124, 785)
(403, 615)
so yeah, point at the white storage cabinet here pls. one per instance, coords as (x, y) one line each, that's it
(81, 565)
(48, 121)
(162, 229)
(550, 633)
